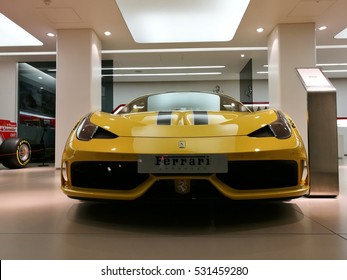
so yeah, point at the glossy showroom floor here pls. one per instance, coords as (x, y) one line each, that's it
(38, 222)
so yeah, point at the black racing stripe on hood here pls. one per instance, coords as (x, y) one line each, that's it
(200, 117)
(164, 118)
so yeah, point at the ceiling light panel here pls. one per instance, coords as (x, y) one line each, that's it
(342, 34)
(178, 21)
(12, 35)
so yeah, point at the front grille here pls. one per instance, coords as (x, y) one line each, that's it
(260, 174)
(120, 175)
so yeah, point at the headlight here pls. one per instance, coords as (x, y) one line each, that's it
(86, 131)
(280, 128)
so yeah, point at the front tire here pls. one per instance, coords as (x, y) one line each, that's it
(15, 153)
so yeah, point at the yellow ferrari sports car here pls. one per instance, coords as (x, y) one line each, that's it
(185, 145)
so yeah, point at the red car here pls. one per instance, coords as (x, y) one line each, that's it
(14, 152)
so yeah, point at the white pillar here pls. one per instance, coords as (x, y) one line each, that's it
(291, 46)
(78, 84)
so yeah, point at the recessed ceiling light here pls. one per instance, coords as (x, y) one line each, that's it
(162, 74)
(164, 67)
(27, 53)
(260, 29)
(262, 72)
(242, 55)
(180, 50)
(175, 21)
(334, 71)
(12, 35)
(332, 64)
(50, 34)
(329, 47)
(322, 28)
(107, 33)
(342, 34)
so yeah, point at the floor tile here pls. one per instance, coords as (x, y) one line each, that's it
(37, 221)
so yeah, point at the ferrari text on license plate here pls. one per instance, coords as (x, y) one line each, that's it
(212, 163)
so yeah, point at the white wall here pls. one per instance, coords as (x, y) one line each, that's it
(260, 91)
(8, 91)
(124, 92)
(341, 96)
(341, 100)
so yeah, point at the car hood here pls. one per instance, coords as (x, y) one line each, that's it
(184, 123)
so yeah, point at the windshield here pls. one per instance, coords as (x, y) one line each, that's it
(171, 101)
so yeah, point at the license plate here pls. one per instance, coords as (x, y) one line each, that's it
(215, 163)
